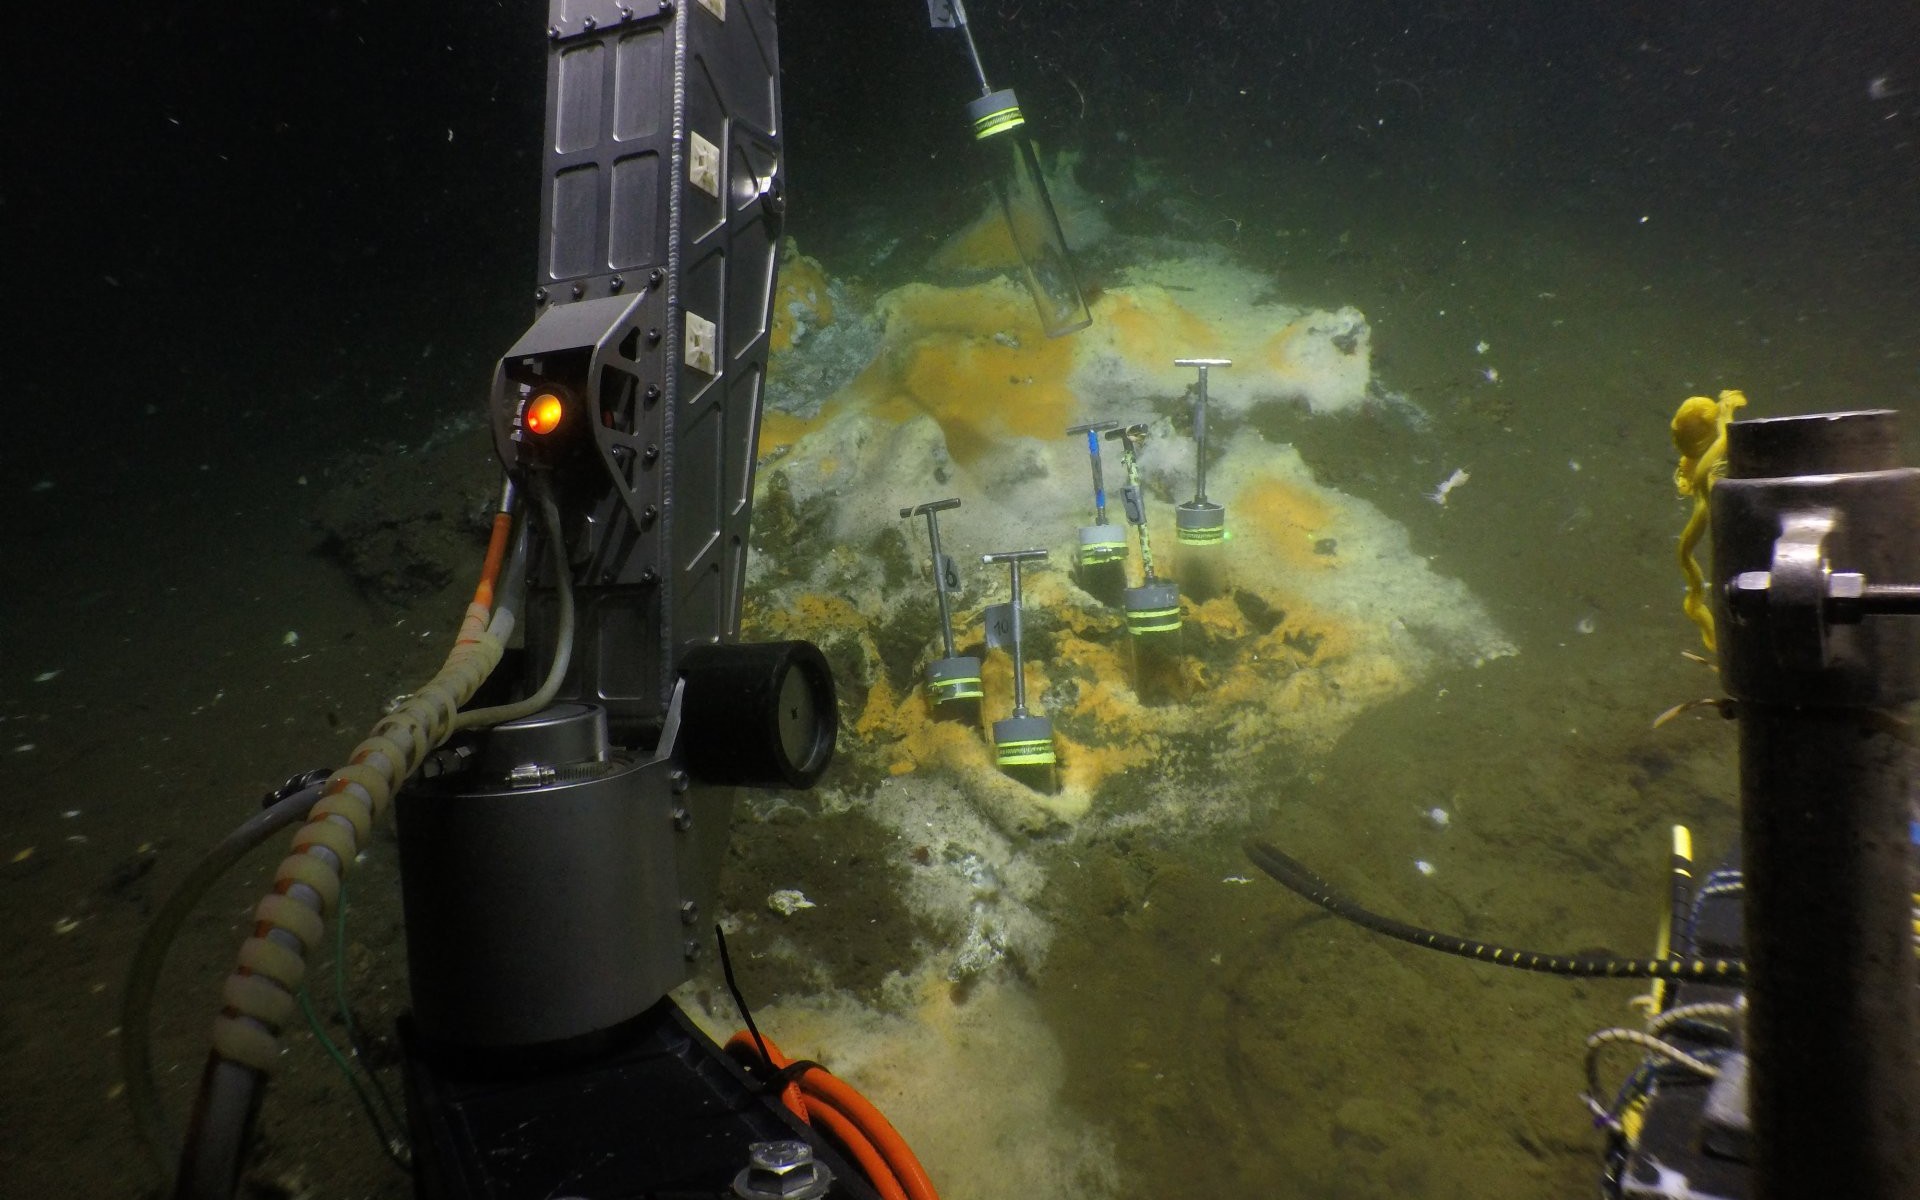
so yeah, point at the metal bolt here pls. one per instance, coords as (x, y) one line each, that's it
(649, 576)
(553, 33)
(653, 337)
(655, 276)
(682, 817)
(616, 283)
(666, 8)
(679, 781)
(626, 12)
(691, 949)
(652, 393)
(648, 516)
(1849, 596)
(783, 1155)
(1748, 588)
(578, 291)
(650, 455)
(689, 912)
(782, 1170)
(540, 295)
(587, 24)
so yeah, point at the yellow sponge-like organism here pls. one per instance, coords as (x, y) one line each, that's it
(1700, 435)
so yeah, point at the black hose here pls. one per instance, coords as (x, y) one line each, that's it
(1297, 879)
(223, 1116)
(143, 976)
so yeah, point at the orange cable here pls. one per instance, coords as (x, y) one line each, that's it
(872, 1163)
(842, 1096)
(834, 1123)
(895, 1170)
(496, 554)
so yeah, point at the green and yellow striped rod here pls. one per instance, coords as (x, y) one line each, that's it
(1133, 496)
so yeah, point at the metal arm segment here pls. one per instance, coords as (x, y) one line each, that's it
(661, 213)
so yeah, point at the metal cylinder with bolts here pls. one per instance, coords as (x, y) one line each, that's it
(1815, 553)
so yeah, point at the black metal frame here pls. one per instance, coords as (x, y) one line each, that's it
(661, 211)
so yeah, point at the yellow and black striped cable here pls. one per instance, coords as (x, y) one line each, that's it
(1298, 879)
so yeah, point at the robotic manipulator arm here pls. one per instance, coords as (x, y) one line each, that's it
(634, 401)
(558, 869)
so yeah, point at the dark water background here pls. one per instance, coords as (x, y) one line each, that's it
(244, 243)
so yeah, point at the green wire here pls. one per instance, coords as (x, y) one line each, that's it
(379, 1113)
(390, 1145)
(346, 1010)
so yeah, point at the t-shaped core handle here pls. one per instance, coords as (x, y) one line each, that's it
(1013, 559)
(1093, 430)
(1200, 422)
(932, 506)
(932, 510)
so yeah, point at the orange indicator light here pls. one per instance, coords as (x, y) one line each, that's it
(543, 413)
